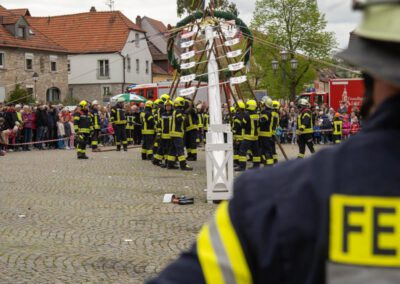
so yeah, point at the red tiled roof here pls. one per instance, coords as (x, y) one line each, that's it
(158, 70)
(92, 32)
(37, 41)
(20, 12)
(157, 24)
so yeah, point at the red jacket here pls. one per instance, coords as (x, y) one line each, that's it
(355, 128)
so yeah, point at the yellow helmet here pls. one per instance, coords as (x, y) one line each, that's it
(276, 105)
(83, 103)
(149, 104)
(165, 97)
(158, 102)
(179, 102)
(268, 102)
(251, 105)
(232, 109)
(169, 102)
(241, 105)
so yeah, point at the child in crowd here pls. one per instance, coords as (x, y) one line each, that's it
(355, 127)
(346, 127)
(317, 132)
(279, 134)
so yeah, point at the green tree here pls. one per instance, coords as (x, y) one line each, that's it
(20, 96)
(298, 27)
(189, 6)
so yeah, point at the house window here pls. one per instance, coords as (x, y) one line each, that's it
(29, 89)
(137, 66)
(2, 60)
(128, 63)
(105, 91)
(147, 67)
(21, 32)
(28, 61)
(69, 66)
(53, 63)
(104, 69)
(137, 40)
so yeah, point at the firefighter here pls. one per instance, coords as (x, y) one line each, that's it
(305, 128)
(118, 120)
(337, 125)
(266, 135)
(156, 110)
(206, 123)
(275, 123)
(137, 125)
(83, 127)
(250, 136)
(237, 131)
(177, 134)
(148, 131)
(96, 126)
(191, 131)
(130, 124)
(200, 118)
(333, 218)
(165, 136)
(164, 98)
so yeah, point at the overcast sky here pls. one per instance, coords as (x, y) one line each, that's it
(341, 19)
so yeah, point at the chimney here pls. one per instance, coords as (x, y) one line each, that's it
(93, 9)
(139, 21)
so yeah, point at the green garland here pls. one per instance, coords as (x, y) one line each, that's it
(198, 15)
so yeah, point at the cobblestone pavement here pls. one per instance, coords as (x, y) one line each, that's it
(64, 220)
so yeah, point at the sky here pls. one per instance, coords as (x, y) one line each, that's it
(341, 19)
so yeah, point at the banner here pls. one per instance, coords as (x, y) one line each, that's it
(232, 42)
(236, 66)
(188, 78)
(234, 53)
(187, 44)
(187, 35)
(238, 80)
(188, 65)
(187, 92)
(188, 55)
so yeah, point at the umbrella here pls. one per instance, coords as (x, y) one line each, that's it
(129, 98)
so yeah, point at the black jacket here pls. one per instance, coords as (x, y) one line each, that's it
(336, 214)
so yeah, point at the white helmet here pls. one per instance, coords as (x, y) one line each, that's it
(95, 102)
(304, 103)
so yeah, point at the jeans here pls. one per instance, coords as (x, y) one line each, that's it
(40, 135)
(27, 132)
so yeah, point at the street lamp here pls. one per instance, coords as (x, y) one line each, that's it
(35, 78)
(275, 65)
(293, 64)
(284, 55)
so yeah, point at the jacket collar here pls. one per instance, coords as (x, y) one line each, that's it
(387, 116)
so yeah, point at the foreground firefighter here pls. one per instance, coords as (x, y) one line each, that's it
(333, 218)
(83, 129)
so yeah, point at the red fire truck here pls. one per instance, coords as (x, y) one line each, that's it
(350, 91)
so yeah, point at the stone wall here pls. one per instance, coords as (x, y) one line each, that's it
(14, 72)
(92, 92)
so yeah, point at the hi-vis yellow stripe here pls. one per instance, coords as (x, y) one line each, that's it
(220, 253)
(365, 230)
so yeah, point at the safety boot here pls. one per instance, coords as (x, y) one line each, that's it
(184, 166)
(150, 157)
(118, 148)
(144, 156)
(126, 148)
(172, 166)
(156, 162)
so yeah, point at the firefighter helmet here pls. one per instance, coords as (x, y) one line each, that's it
(304, 103)
(149, 104)
(241, 105)
(165, 97)
(276, 105)
(83, 103)
(251, 105)
(267, 101)
(179, 102)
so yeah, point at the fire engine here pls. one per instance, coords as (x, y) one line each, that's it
(350, 91)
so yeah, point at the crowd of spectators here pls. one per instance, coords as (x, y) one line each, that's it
(40, 127)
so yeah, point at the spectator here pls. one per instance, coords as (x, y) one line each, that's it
(3, 128)
(326, 128)
(52, 126)
(346, 126)
(355, 127)
(284, 124)
(27, 119)
(42, 123)
(317, 132)
(342, 108)
(60, 132)
(293, 125)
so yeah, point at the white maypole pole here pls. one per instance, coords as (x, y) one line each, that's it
(219, 153)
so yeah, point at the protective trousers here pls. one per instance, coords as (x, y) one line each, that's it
(163, 150)
(120, 136)
(245, 146)
(266, 150)
(147, 146)
(191, 144)
(82, 142)
(95, 139)
(178, 149)
(303, 140)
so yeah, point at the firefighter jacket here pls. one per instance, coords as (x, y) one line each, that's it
(305, 122)
(178, 123)
(337, 126)
(118, 116)
(130, 124)
(275, 120)
(96, 119)
(192, 120)
(83, 122)
(165, 124)
(206, 121)
(201, 120)
(250, 125)
(237, 127)
(266, 123)
(331, 218)
(147, 121)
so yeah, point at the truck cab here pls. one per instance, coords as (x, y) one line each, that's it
(315, 98)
